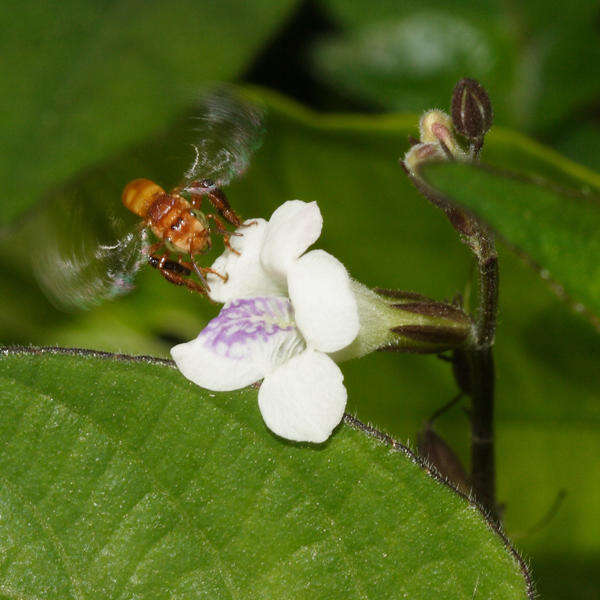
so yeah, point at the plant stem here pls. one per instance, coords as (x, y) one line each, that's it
(483, 468)
(488, 294)
(480, 363)
(474, 365)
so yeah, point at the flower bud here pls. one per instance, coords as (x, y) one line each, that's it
(472, 112)
(436, 127)
(421, 153)
(429, 326)
(405, 322)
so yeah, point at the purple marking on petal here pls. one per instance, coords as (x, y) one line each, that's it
(246, 321)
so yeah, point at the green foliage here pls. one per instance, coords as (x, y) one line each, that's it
(120, 479)
(81, 83)
(556, 227)
(387, 235)
(582, 143)
(537, 67)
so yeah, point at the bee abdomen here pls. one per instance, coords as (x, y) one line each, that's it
(139, 196)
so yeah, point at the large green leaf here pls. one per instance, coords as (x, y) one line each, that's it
(557, 227)
(387, 235)
(120, 479)
(84, 80)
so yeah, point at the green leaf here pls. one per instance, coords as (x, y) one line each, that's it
(412, 60)
(583, 144)
(538, 69)
(557, 227)
(88, 79)
(118, 478)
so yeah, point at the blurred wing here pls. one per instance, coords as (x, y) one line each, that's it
(84, 252)
(229, 129)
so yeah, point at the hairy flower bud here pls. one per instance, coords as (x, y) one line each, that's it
(436, 127)
(421, 153)
(472, 112)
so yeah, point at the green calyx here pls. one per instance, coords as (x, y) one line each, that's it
(392, 320)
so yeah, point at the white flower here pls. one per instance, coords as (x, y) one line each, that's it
(284, 312)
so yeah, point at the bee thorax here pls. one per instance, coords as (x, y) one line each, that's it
(171, 220)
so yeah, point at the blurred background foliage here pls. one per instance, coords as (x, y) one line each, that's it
(102, 92)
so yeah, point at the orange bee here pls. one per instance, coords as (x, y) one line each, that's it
(180, 226)
(82, 260)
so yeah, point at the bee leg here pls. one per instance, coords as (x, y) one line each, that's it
(200, 288)
(219, 200)
(217, 197)
(196, 200)
(200, 271)
(177, 273)
(222, 231)
(199, 244)
(204, 243)
(186, 264)
(209, 270)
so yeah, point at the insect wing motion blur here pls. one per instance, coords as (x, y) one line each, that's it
(89, 249)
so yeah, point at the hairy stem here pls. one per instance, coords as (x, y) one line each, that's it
(488, 292)
(480, 363)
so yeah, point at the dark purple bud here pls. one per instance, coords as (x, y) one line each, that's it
(419, 324)
(438, 336)
(472, 113)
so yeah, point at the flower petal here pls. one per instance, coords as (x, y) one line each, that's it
(292, 228)
(248, 340)
(325, 307)
(246, 277)
(304, 399)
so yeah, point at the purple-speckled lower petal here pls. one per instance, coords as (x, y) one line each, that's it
(246, 341)
(248, 321)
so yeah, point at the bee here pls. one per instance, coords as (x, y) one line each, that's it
(180, 227)
(88, 250)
